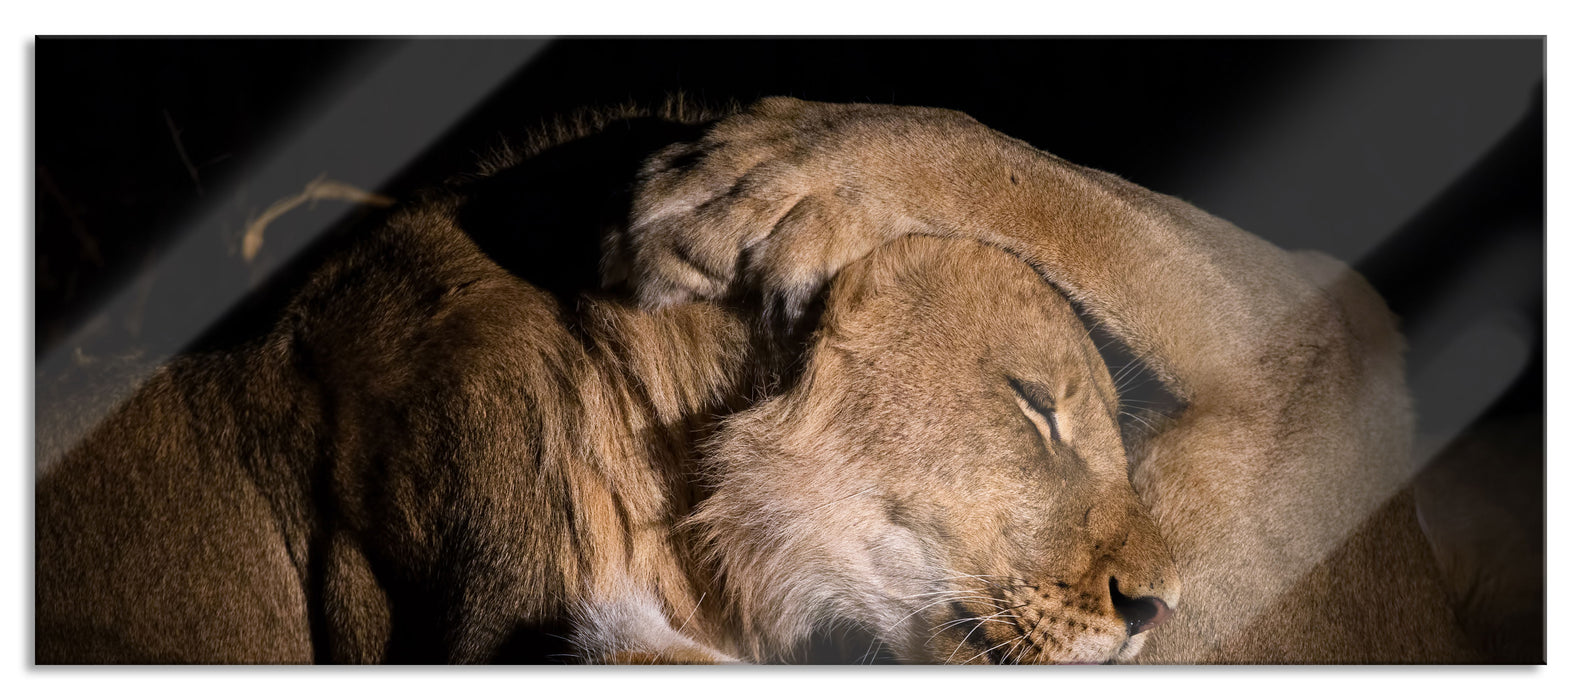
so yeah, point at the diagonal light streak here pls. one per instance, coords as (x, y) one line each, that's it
(384, 112)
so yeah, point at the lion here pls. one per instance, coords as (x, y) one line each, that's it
(1280, 485)
(428, 458)
(948, 475)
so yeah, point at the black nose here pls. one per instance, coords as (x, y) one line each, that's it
(1141, 614)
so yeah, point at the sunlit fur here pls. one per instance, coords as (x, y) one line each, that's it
(425, 458)
(1281, 485)
(899, 486)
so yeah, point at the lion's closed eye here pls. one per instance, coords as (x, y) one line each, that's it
(1039, 406)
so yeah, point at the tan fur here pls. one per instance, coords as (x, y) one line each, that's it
(424, 460)
(427, 459)
(901, 487)
(1293, 446)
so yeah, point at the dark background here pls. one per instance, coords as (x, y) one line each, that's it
(1420, 162)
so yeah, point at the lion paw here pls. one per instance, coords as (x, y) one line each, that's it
(773, 201)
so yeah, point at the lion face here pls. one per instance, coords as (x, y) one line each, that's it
(948, 474)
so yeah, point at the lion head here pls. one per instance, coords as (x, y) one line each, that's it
(947, 474)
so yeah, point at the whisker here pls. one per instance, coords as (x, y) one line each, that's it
(981, 620)
(1019, 657)
(969, 633)
(870, 489)
(1151, 427)
(1138, 415)
(982, 577)
(694, 612)
(998, 584)
(961, 596)
(952, 623)
(1120, 374)
(1107, 343)
(1019, 642)
(985, 651)
(945, 592)
(1132, 401)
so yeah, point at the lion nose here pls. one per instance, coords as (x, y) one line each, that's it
(1141, 614)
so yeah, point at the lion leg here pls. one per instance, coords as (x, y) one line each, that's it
(780, 197)
(356, 609)
(1291, 513)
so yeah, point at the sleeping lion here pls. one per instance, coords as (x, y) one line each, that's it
(850, 392)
